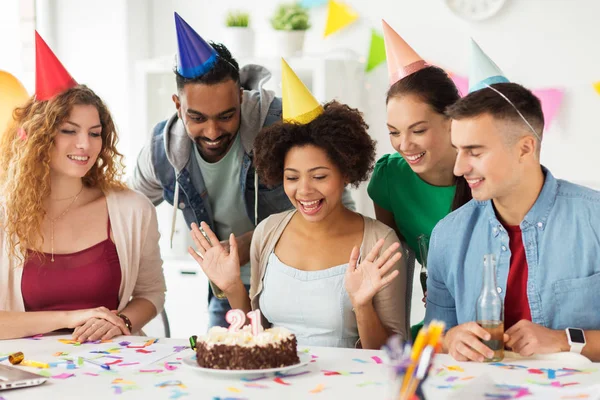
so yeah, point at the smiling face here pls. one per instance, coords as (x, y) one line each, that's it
(419, 134)
(312, 182)
(490, 163)
(211, 115)
(77, 143)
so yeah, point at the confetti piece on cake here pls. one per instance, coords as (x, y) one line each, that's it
(377, 359)
(318, 389)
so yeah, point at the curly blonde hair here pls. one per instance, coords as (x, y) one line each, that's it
(25, 164)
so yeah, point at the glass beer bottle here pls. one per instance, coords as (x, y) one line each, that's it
(490, 309)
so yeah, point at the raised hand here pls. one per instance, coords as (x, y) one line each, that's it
(364, 281)
(220, 265)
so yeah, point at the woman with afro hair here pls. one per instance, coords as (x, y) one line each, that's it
(329, 275)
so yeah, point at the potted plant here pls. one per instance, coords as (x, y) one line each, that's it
(290, 23)
(239, 37)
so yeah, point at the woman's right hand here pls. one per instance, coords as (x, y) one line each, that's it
(222, 267)
(78, 318)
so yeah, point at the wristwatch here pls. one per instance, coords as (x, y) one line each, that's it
(126, 320)
(576, 339)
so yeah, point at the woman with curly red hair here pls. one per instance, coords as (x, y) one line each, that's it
(329, 275)
(77, 248)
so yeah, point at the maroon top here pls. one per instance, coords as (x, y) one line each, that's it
(516, 302)
(86, 279)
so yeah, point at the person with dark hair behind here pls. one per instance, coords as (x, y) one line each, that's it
(415, 188)
(326, 273)
(542, 231)
(200, 160)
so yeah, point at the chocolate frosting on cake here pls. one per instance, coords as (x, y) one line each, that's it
(272, 348)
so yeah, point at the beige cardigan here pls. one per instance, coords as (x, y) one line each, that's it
(135, 231)
(389, 302)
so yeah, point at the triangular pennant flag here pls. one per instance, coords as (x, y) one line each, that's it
(597, 87)
(195, 57)
(299, 105)
(461, 83)
(376, 51)
(51, 77)
(339, 16)
(483, 71)
(12, 95)
(551, 100)
(312, 3)
(402, 60)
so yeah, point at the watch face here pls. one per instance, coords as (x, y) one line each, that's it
(576, 335)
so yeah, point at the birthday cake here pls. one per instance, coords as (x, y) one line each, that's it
(222, 348)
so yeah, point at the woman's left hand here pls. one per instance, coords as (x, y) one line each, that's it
(96, 329)
(364, 281)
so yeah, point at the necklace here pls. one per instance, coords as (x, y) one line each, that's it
(53, 220)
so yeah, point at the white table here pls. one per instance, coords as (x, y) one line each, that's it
(370, 384)
(360, 376)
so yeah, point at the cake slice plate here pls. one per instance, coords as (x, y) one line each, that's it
(190, 362)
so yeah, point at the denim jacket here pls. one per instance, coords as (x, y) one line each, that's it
(561, 236)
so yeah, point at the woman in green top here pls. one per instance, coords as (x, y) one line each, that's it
(415, 188)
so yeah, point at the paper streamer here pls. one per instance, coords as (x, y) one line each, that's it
(551, 100)
(339, 16)
(376, 51)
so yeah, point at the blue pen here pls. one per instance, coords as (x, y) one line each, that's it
(101, 365)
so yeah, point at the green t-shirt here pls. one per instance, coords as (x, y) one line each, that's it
(417, 206)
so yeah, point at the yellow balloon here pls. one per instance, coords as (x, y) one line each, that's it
(12, 95)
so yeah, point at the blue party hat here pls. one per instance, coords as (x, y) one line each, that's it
(483, 71)
(195, 57)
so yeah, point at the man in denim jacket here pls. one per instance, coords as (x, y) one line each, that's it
(200, 159)
(544, 232)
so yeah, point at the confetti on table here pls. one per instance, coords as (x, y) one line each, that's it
(229, 398)
(369, 383)
(170, 367)
(255, 385)
(451, 378)
(35, 337)
(45, 373)
(99, 352)
(115, 357)
(306, 351)
(177, 349)
(330, 373)
(454, 368)
(318, 389)
(313, 356)
(124, 343)
(144, 351)
(551, 374)
(113, 362)
(122, 381)
(127, 364)
(90, 373)
(64, 375)
(177, 393)
(60, 353)
(359, 360)
(234, 389)
(284, 375)
(535, 371)
(281, 381)
(467, 378)
(259, 378)
(151, 370)
(170, 383)
(377, 359)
